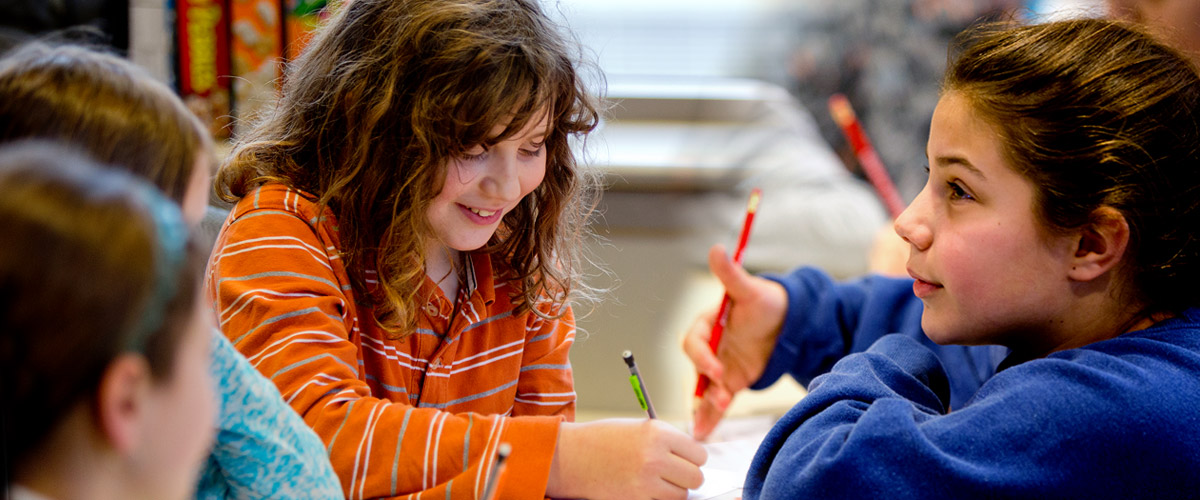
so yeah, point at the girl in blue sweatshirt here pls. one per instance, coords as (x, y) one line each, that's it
(1048, 342)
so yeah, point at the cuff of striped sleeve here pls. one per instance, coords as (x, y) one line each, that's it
(533, 440)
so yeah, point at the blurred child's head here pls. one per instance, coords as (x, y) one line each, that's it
(1177, 21)
(387, 94)
(110, 109)
(1098, 122)
(103, 350)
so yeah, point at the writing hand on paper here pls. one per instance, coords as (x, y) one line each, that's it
(627, 459)
(756, 311)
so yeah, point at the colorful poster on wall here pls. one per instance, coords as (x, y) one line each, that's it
(256, 30)
(202, 61)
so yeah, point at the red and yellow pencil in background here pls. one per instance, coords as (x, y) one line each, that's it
(718, 328)
(843, 114)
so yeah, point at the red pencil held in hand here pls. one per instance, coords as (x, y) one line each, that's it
(714, 339)
(844, 115)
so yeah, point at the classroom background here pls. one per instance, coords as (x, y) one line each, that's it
(707, 99)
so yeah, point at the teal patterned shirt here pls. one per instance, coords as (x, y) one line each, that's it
(263, 449)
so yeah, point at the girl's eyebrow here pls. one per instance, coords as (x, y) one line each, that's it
(946, 161)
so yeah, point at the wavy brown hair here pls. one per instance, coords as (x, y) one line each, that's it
(384, 96)
(1098, 113)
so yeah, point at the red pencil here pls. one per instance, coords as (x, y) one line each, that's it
(714, 339)
(844, 115)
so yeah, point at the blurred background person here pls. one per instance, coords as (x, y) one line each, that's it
(887, 57)
(1176, 21)
(104, 339)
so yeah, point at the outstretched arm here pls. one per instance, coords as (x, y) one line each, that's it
(756, 312)
(284, 306)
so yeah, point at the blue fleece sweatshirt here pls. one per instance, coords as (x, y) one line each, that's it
(1114, 419)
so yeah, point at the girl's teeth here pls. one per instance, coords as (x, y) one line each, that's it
(483, 213)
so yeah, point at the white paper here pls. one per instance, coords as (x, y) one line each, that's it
(725, 470)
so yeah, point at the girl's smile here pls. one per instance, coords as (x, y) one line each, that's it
(483, 185)
(482, 216)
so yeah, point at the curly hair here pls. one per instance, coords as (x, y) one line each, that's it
(384, 96)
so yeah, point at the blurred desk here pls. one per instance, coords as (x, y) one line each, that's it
(679, 161)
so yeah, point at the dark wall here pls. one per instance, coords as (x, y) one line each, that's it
(103, 22)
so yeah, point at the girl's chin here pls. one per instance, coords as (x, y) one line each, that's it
(939, 333)
(954, 336)
(468, 246)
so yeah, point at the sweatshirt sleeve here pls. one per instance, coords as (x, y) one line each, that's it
(827, 320)
(284, 307)
(1079, 425)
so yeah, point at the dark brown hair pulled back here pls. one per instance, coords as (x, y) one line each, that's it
(1098, 113)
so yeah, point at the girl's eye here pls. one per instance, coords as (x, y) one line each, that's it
(957, 192)
(475, 153)
(536, 150)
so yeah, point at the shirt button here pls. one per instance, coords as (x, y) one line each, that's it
(437, 363)
(431, 309)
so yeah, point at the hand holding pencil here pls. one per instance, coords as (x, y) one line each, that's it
(754, 315)
(718, 327)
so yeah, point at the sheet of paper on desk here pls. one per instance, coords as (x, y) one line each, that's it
(725, 471)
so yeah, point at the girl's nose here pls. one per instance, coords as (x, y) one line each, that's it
(912, 224)
(501, 180)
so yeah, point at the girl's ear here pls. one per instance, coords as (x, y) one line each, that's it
(121, 401)
(1101, 245)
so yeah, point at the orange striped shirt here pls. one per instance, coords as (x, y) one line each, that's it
(423, 414)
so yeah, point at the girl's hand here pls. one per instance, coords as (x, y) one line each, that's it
(625, 459)
(756, 311)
